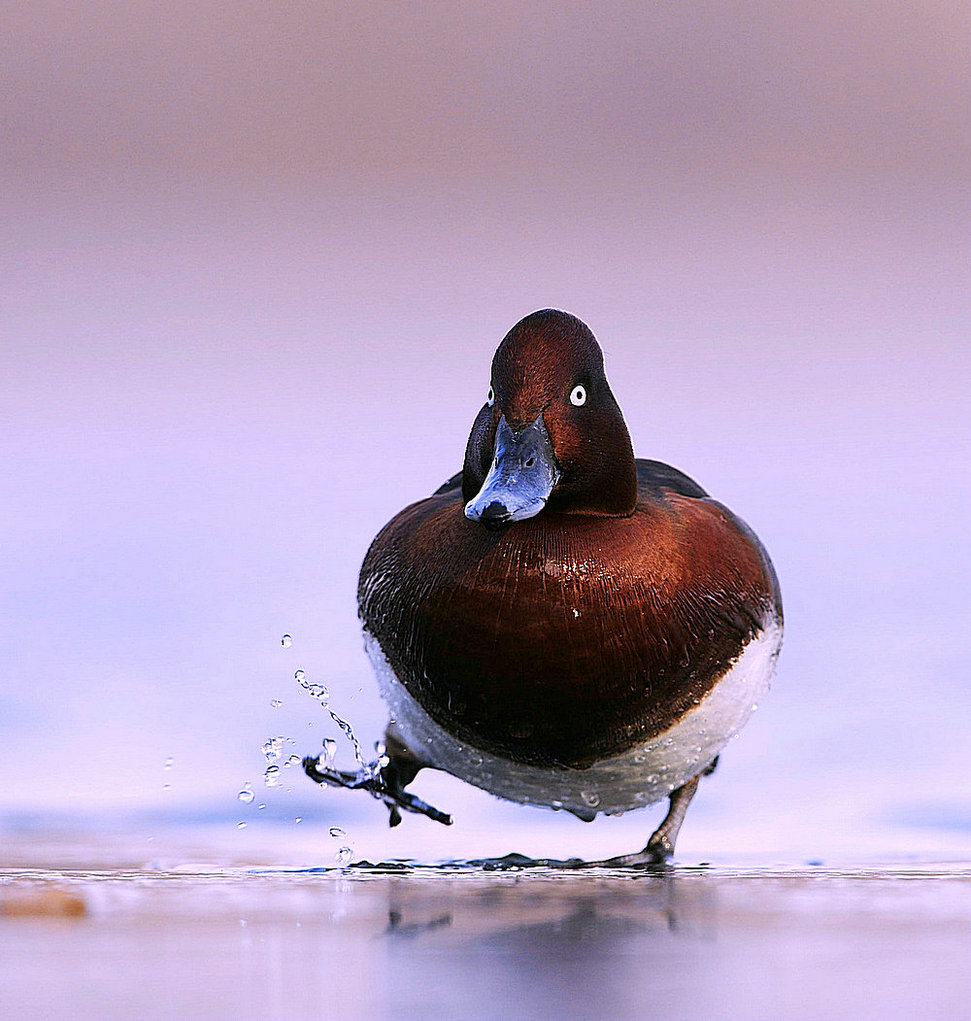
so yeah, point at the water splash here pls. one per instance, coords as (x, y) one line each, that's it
(272, 748)
(322, 695)
(370, 768)
(320, 692)
(246, 795)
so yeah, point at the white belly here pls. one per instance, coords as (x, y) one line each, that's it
(639, 777)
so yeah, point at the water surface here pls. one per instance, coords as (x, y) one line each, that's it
(115, 939)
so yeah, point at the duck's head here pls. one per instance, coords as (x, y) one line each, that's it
(550, 434)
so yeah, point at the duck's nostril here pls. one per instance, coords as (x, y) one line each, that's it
(530, 461)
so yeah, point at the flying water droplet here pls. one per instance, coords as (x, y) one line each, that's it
(246, 795)
(343, 856)
(260, 807)
(272, 748)
(241, 826)
(272, 776)
(275, 703)
(299, 676)
(168, 762)
(286, 641)
(298, 818)
(348, 732)
(293, 760)
(337, 832)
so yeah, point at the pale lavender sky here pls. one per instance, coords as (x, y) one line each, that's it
(258, 256)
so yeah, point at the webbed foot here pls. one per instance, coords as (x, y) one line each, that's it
(387, 784)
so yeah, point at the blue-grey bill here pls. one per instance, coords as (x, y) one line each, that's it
(523, 474)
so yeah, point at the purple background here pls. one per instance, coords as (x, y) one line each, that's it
(257, 258)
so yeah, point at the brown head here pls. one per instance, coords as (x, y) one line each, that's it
(550, 433)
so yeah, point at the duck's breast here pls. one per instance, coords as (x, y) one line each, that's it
(564, 640)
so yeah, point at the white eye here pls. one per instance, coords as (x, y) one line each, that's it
(578, 396)
(491, 397)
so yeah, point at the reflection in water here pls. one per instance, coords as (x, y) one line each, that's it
(400, 928)
(626, 937)
(408, 941)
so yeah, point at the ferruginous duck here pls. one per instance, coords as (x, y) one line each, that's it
(561, 624)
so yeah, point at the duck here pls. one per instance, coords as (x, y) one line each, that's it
(561, 624)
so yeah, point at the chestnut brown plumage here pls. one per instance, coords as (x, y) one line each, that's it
(558, 604)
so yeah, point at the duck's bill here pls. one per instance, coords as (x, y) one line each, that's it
(523, 474)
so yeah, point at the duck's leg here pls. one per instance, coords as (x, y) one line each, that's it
(403, 766)
(387, 783)
(660, 847)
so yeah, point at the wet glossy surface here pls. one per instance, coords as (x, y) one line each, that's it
(406, 941)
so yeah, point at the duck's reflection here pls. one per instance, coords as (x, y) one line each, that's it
(572, 909)
(631, 935)
(397, 926)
